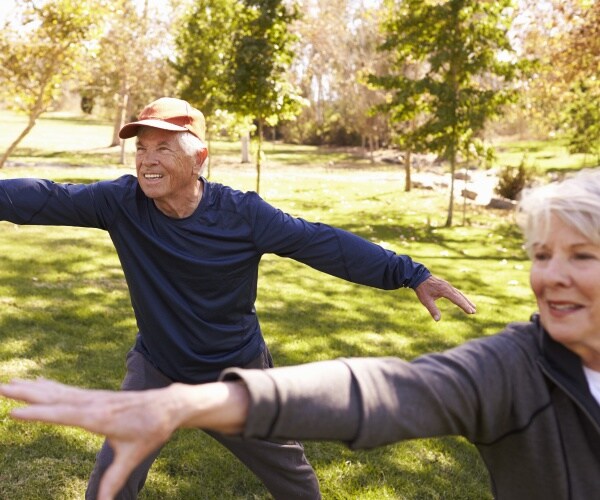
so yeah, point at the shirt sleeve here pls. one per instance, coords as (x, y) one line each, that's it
(43, 202)
(332, 250)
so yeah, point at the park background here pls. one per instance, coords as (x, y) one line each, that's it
(409, 123)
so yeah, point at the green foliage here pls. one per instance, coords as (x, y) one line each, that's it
(119, 77)
(204, 52)
(39, 52)
(334, 130)
(42, 48)
(262, 55)
(234, 55)
(582, 118)
(447, 76)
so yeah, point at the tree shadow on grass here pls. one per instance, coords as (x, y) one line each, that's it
(448, 467)
(75, 322)
(197, 466)
(42, 462)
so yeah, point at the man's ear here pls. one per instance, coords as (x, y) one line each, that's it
(201, 156)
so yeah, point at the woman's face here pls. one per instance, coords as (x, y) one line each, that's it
(565, 278)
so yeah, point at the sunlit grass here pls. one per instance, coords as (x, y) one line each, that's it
(545, 156)
(65, 314)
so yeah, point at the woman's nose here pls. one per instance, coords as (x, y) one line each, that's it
(557, 272)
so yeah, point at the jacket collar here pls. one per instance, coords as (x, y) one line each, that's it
(565, 369)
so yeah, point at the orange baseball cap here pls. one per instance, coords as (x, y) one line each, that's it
(168, 113)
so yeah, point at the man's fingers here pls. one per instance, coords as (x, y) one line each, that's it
(434, 288)
(114, 478)
(433, 310)
(127, 457)
(461, 301)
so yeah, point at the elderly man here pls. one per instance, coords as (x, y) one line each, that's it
(190, 251)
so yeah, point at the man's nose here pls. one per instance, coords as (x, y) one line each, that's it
(150, 158)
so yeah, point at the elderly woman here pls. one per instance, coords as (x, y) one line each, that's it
(527, 398)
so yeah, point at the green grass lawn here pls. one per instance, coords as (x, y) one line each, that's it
(65, 314)
(544, 156)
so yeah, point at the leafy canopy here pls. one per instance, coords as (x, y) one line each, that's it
(450, 70)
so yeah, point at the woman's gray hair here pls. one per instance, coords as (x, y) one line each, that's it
(576, 200)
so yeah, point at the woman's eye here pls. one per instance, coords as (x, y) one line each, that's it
(541, 256)
(585, 256)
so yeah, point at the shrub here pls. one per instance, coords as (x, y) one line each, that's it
(512, 180)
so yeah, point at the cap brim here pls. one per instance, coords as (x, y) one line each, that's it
(131, 129)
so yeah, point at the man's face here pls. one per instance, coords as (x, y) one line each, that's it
(165, 172)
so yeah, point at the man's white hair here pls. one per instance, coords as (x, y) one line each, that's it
(189, 143)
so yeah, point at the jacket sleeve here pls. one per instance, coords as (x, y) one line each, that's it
(43, 202)
(313, 401)
(481, 390)
(332, 250)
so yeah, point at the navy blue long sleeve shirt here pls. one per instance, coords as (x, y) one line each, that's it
(193, 281)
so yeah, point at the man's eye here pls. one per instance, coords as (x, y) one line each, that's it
(541, 256)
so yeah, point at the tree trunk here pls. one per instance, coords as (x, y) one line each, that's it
(16, 142)
(124, 107)
(115, 141)
(34, 113)
(407, 167)
(259, 154)
(464, 210)
(245, 140)
(451, 204)
(120, 116)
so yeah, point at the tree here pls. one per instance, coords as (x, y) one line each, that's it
(262, 54)
(359, 58)
(40, 51)
(581, 117)
(132, 68)
(464, 50)
(204, 49)
(579, 57)
(406, 111)
(336, 47)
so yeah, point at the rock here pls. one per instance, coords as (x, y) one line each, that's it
(502, 204)
(471, 195)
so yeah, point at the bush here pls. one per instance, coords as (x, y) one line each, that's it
(512, 180)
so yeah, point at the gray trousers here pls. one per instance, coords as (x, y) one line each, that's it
(281, 466)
